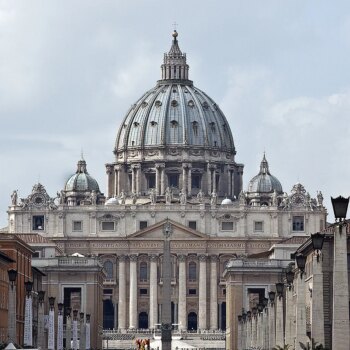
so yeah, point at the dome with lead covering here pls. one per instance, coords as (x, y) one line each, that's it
(264, 182)
(81, 180)
(175, 113)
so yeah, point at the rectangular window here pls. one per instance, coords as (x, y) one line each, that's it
(107, 226)
(227, 226)
(192, 225)
(192, 291)
(38, 222)
(143, 224)
(36, 255)
(298, 223)
(173, 180)
(224, 291)
(143, 291)
(151, 181)
(77, 225)
(258, 226)
(108, 291)
(196, 181)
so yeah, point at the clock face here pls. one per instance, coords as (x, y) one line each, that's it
(298, 200)
(38, 200)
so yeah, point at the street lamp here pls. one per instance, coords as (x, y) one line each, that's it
(41, 296)
(12, 276)
(279, 289)
(290, 277)
(260, 308)
(340, 207)
(52, 302)
(317, 243)
(239, 318)
(301, 261)
(272, 296)
(265, 302)
(29, 287)
(244, 316)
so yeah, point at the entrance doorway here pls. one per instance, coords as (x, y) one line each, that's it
(192, 321)
(143, 320)
(108, 314)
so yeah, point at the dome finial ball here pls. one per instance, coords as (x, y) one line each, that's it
(175, 33)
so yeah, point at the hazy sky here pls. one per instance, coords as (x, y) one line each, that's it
(279, 70)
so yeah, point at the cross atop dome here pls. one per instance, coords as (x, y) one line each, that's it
(264, 166)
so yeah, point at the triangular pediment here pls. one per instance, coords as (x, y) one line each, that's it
(179, 232)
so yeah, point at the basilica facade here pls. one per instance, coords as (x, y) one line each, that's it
(174, 163)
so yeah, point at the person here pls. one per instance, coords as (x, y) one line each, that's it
(152, 196)
(14, 197)
(93, 197)
(200, 196)
(168, 195)
(122, 197)
(133, 197)
(242, 198)
(319, 198)
(182, 197)
(274, 198)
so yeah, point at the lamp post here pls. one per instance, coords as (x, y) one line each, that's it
(249, 330)
(239, 332)
(279, 315)
(51, 333)
(266, 323)
(254, 326)
(271, 318)
(289, 328)
(41, 324)
(68, 328)
(87, 332)
(317, 312)
(82, 332)
(28, 316)
(300, 334)
(75, 329)
(340, 318)
(60, 327)
(260, 325)
(12, 313)
(244, 330)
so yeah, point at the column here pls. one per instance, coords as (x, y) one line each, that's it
(82, 338)
(214, 179)
(202, 312)
(118, 170)
(75, 330)
(265, 343)
(317, 313)
(153, 293)
(138, 179)
(133, 178)
(41, 324)
(162, 179)
(300, 312)
(122, 293)
(109, 181)
(229, 182)
(249, 332)
(68, 329)
(116, 178)
(60, 327)
(239, 334)
(51, 330)
(189, 185)
(254, 329)
(157, 179)
(12, 337)
(259, 330)
(133, 292)
(213, 292)
(279, 322)
(340, 317)
(182, 314)
(184, 177)
(209, 178)
(290, 317)
(272, 329)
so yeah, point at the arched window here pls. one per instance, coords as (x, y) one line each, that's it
(143, 271)
(192, 271)
(108, 266)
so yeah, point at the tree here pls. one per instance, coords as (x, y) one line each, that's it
(313, 346)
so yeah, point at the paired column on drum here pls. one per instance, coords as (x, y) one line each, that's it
(160, 178)
(118, 170)
(187, 178)
(153, 295)
(211, 172)
(135, 178)
(230, 181)
(182, 313)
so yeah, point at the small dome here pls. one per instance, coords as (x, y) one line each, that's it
(226, 201)
(112, 201)
(81, 180)
(264, 182)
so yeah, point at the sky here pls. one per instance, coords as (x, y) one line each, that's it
(279, 70)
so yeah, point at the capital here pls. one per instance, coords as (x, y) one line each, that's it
(133, 257)
(121, 258)
(135, 166)
(181, 257)
(109, 169)
(153, 257)
(202, 257)
(214, 258)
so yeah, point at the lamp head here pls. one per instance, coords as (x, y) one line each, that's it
(12, 275)
(340, 207)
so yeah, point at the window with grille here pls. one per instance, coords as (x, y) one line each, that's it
(108, 266)
(298, 223)
(143, 271)
(192, 271)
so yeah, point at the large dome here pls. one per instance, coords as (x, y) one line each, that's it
(175, 113)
